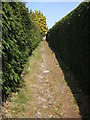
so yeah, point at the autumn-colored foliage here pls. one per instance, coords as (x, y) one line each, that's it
(40, 19)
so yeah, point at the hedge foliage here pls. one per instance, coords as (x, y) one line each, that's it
(20, 36)
(69, 37)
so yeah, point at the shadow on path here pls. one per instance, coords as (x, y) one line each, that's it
(81, 98)
(79, 94)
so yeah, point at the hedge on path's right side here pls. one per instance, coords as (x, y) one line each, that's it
(69, 37)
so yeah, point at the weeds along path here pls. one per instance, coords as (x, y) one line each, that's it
(45, 94)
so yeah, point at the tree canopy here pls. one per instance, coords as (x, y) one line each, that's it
(40, 19)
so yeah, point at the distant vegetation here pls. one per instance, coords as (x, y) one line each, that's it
(40, 19)
(69, 38)
(20, 36)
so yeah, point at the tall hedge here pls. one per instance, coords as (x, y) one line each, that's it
(69, 37)
(20, 36)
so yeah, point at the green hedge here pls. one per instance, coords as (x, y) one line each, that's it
(20, 36)
(69, 37)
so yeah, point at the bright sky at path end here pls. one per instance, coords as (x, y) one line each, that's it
(53, 11)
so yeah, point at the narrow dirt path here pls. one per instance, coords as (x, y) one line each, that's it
(47, 94)
(51, 97)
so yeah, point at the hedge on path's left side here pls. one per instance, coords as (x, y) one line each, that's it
(20, 36)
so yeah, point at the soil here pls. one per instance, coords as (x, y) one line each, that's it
(49, 96)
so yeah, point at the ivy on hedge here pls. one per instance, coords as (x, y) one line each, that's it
(20, 36)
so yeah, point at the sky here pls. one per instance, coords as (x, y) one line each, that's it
(53, 11)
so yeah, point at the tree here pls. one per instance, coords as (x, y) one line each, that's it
(40, 19)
